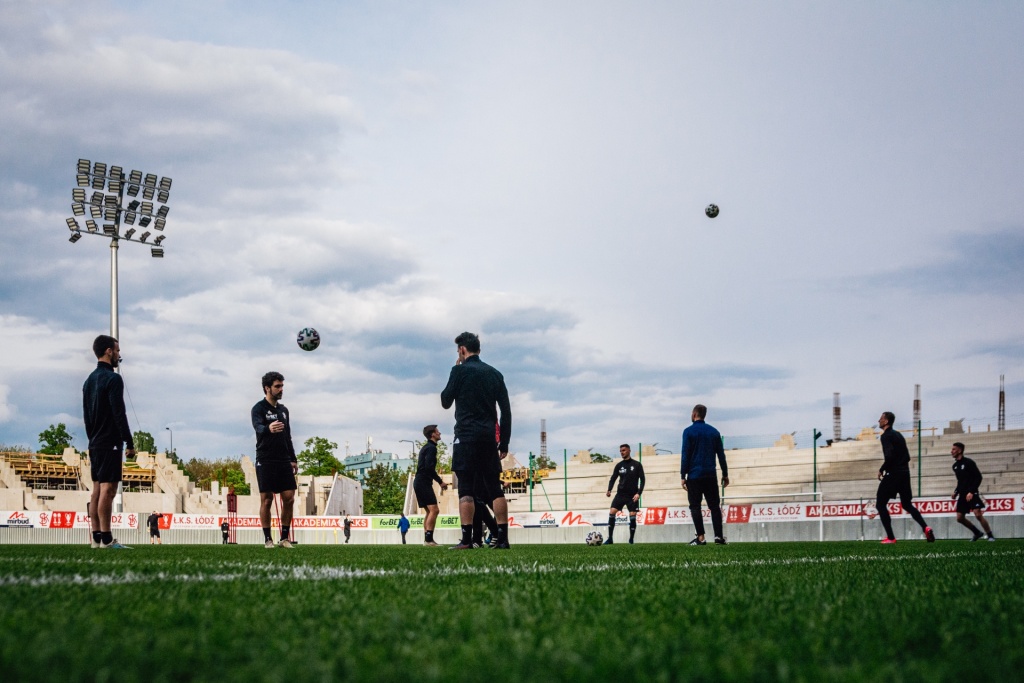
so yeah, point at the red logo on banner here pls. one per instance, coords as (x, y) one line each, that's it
(165, 521)
(60, 520)
(574, 520)
(738, 514)
(999, 504)
(18, 515)
(655, 515)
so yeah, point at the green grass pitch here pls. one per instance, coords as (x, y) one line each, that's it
(785, 611)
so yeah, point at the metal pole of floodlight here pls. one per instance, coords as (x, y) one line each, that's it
(110, 207)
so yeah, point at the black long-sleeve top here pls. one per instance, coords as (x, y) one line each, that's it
(106, 422)
(478, 392)
(426, 464)
(630, 474)
(968, 476)
(894, 448)
(271, 447)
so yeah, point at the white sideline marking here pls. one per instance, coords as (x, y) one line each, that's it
(305, 572)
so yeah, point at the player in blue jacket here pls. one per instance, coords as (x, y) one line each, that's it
(701, 445)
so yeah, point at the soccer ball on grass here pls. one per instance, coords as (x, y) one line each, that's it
(595, 538)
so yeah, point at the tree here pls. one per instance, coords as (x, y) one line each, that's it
(144, 442)
(384, 490)
(543, 462)
(444, 461)
(55, 439)
(226, 471)
(318, 458)
(599, 457)
(236, 478)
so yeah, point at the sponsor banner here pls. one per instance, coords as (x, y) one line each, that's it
(61, 519)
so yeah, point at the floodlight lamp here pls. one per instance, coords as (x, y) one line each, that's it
(75, 236)
(99, 168)
(78, 209)
(97, 182)
(162, 196)
(96, 198)
(72, 224)
(133, 190)
(116, 172)
(144, 236)
(110, 214)
(157, 252)
(162, 212)
(78, 195)
(114, 186)
(109, 229)
(159, 239)
(159, 223)
(128, 233)
(82, 180)
(110, 201)
(84, 165)
(129, 218)
(135, 177)
(147, 207)
(165, 184)
(95, 211)
(133, 205)
(151, 179)
(90, 225)
(148, 192)
(144, 221)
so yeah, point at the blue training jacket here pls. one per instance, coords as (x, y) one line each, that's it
(701, 443)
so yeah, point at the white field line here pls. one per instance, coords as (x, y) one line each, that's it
(259, 572)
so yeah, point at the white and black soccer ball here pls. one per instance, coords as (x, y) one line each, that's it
(595, 538)
(308, 339)
(711, 210)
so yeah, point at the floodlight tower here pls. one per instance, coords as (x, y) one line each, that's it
(1001, 426)
(106, 204)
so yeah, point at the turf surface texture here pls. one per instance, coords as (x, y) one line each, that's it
(760, 611)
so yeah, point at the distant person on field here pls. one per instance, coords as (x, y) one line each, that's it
(423, 482)
(225, 529)
(968, 479)
(153, 521)
(479, 394)
(630, 474)
(403, 527)
(276, 464)
(347, 524)
(106, 425)
(701, 445)
(894, 479)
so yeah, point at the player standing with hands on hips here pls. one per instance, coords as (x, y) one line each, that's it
(701, 444)
(106, 425)
(968, 480)
(894, 479)
(276, 464)
(630, 474)
(423, 482)
(478, 392)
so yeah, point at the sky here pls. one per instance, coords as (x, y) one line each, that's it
(393, 174)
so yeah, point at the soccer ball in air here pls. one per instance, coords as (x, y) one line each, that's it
(308, 339)
(595, 538)
(711, 210)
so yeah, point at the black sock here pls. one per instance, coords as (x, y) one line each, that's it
(266, 534)
(106, 537)
(286, 532)
(632, 527)
(428, 536)
(611, 526)
(467, 534)
(503, 533)
(97, 536)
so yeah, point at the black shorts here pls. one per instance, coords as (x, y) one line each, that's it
(963, 506)
(275, 477)
(625, 501)
(895, 485)
(424, 491)
(154, 533)
(478, 468)
(105, 465)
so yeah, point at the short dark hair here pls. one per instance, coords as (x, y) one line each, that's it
(959, 445)
(470, 341)
(624, 445)
(102, 343)
(270, 378)
(702, 411)
(890, 417)
(428, 431)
